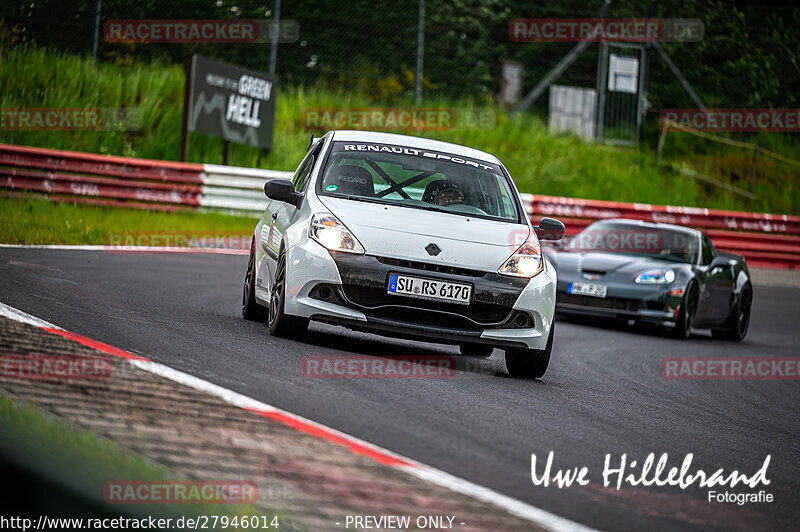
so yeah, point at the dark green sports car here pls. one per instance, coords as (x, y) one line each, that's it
(662, 274)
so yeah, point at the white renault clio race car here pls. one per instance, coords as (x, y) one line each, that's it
(404, 236)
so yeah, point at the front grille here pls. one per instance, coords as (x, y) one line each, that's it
(428, 318)
(376, 297)
(365, 280)
(428, 267)
(609, 303)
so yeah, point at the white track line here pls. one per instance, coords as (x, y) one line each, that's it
(515, 507)
(24, 317)
(130, 249)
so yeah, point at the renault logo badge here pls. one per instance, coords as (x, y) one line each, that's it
(433, 249)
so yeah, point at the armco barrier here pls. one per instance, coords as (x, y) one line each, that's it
(767, 240)
(764, 239)
(236, 188)
(77, 177)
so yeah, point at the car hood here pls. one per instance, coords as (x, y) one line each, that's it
(606, 263)
(404, 233)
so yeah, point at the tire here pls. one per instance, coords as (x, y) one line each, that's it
(739, 321)
(251, 310)
(683, 327)
(476, 350)
(530, 363)
(280, 323)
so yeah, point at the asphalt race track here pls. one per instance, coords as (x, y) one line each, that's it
(603, 393)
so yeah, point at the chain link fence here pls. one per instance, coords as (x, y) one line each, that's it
(370, 46)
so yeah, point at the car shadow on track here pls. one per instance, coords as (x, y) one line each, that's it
(641, 329)
(362, 343)
(368, 345)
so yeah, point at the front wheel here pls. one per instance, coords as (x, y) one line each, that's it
(530, 363)
(739, 321)
(683, 327)
(281, 324)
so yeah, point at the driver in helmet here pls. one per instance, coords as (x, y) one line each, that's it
(443, 193)
(449, 195)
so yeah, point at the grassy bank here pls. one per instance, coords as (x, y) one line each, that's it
(540, 162)
(25, 221)
(64, 469)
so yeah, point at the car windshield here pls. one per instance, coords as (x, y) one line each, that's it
(418, 178)
(633, 239)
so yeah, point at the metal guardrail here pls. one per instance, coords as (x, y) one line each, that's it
(77, 177)
(765, 240)
(236, 188)
(768, 240)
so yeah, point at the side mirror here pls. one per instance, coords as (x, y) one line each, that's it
(719, 263)
(549, 229)
(282, 190)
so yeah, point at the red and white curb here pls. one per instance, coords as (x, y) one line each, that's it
(383, 456)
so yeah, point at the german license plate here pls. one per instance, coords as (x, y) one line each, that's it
(583, 289)
(429, 289)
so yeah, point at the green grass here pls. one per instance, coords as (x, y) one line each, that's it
(80, 463)
(36, 434)
(28, 221)
(540, 163)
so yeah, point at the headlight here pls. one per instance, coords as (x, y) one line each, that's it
(331, 233)
(660, 276)
(525, 262)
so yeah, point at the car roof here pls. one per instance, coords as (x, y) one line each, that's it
(413, 142)
(652, 225)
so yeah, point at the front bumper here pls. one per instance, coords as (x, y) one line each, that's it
(642, 303)
(350, 290)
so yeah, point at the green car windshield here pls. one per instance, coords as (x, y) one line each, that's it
(419, 178)
(634, 239)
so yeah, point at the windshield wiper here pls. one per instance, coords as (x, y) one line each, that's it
(352, 197)
(440, 209)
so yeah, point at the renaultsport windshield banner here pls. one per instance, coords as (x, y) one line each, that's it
(356, 147)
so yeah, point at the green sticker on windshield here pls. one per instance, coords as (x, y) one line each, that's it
(331, 188)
